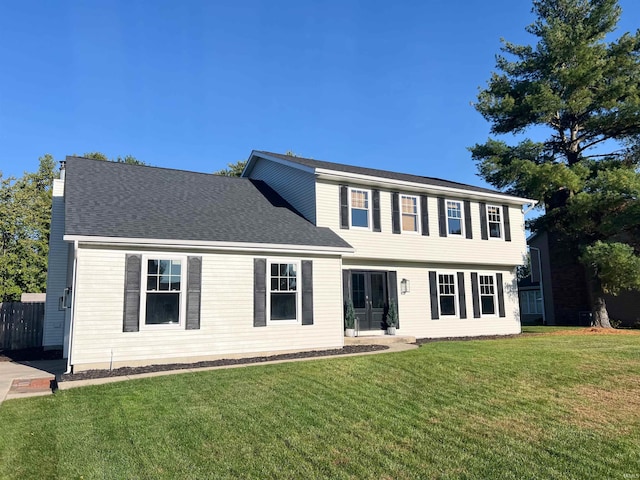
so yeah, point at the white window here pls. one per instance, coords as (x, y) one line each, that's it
(409, 211)
(487, 295)
(454, 217)
(359, 206)
(163, 288)
(494, 221)
(531, 302)
(447, 293)
(284, 295)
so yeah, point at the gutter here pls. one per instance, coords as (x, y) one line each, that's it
(73, 305)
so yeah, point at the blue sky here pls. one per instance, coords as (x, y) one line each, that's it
(198, 84)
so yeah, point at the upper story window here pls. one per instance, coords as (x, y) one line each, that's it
(283, 292)
(494, 220)
(360, 209)
(163, 291)
(447, 293)
(487, 295)
(409, 206)
(454, 217)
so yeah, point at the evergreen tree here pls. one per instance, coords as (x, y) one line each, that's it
(584, 91)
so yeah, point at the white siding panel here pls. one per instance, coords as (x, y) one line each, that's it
(412, 247)
(226, 326)
(56, 271)
(295, 186)
(414, 307)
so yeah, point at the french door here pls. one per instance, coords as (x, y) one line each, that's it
(369, 295)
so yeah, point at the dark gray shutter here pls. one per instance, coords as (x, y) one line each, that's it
(392, 285)
(475, 294)
(307, 292)
(395, 212)
(259, 292)
(131, 316)
(433, 289)
(484, 234)
(500, 294)
(376, 210)
(424, 214)
(442, 217)
(467, 219)
(507, 223)
(194, 282)
(344, 206)
(462, 299)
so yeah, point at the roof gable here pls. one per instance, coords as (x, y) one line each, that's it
(106, 199)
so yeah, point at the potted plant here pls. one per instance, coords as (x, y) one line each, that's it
(349, 320)
(392, 318)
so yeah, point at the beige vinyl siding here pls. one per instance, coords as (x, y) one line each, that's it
(56, 271)
(415, 307)
(226, 325)
(410, 246)
(294, 185)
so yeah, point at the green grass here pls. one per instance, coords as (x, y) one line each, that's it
(537, 406)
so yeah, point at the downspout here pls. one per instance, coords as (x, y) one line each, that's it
(544, 307)
(73, 304)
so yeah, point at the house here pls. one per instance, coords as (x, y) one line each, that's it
(152, 265)
(564, 291)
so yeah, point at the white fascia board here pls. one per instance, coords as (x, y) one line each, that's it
(281, 161)
(415, 186)
(204, 245)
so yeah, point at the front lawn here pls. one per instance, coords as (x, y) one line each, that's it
(536, 406)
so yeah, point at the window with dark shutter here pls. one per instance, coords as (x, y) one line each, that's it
(259, 292)
(133, 272)
(442, 217)
(507, 224)
(467, 219)
(484, 234)
(395, 212)
(344, 206)
(307, 292)
(475, 293)
(433, 290)
(424, 213)
(501, 311)
(461, 296)
(375, 194)
(194, 281)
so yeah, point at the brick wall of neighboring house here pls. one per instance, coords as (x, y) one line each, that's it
(569, 283)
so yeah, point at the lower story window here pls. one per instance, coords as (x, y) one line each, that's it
(487, 295)
(447, 294)
(163, 291)
(283, 291)
(531, 302)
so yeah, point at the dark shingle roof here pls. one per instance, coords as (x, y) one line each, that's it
(405, 177)
(109, 199)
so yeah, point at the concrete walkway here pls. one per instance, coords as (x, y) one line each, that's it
(27, 379)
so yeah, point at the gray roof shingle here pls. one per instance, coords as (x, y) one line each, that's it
(405, 177)
(109, 199)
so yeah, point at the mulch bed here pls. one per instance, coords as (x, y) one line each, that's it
(124, 371)
(422, 341)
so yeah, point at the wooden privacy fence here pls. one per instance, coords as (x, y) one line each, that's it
(21, 325)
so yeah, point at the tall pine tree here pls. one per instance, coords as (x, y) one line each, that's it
(584, 91)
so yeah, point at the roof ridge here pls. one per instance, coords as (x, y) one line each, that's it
(151, 166)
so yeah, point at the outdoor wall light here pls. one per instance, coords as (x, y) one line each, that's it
(405, 286)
